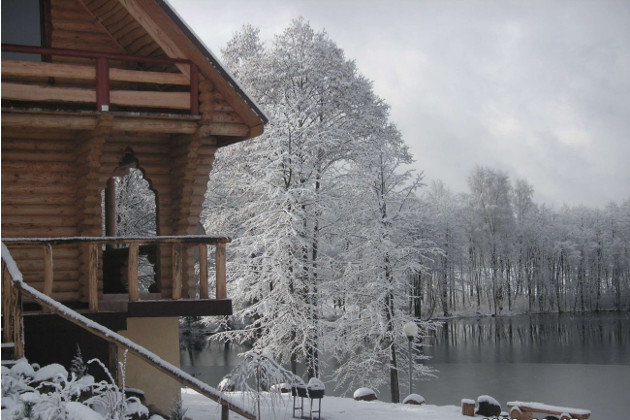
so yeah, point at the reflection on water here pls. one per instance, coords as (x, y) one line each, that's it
(571, 360)
(546, 338)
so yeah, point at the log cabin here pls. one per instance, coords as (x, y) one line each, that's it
(92, 90)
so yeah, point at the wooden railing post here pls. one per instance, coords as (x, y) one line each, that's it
(93, 276)
(132, 272)
(177, 270)
(203, 271)
(219, 265)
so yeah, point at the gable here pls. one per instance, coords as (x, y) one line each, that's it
(143, 28)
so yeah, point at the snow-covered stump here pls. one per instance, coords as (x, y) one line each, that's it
(468, 407)
(364, 394)
(414, 399)
(488, 406)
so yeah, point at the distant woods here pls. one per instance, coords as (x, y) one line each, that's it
(503, 253)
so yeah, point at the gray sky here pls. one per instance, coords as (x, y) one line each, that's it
(539, 89)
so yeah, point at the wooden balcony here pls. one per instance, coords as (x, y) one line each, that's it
(95, 84)
(136, 303)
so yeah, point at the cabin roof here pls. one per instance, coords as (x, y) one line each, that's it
(212, 59)
(152, 28)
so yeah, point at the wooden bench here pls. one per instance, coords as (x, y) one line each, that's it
(525, 411)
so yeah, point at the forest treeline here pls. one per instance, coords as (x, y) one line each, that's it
(337, 244)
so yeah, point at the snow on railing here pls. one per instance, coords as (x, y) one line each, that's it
(14, 282)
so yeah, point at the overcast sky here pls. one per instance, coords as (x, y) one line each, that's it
(539, 89)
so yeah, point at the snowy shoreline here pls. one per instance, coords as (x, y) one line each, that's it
(333, 408)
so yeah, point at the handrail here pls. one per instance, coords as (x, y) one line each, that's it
(102, 69)
(134, 242)
(14, 280)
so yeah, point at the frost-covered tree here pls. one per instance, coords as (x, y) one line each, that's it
(278, 202)
(381, 248)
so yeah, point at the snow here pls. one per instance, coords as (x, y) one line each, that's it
(414, 398)
(78, 411)
(546, 407)
(22, 368)
(467, 401)
(316, 385)
(487, 399)
(51, 373)
(333, 408)
(363, 392)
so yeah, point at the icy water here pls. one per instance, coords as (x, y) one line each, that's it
(580, 361)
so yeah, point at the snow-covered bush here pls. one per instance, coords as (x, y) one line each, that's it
(50, 393)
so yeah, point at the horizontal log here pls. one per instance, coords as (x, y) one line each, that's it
(35, 277)
(120, 123)
(48, 121)
(59, 296)
(37, 265)
(36, 143)
(29, 221)
(43, 70)
(224, 129)
(38, 210)
(174, 100)
(31, 92)
(61, 252)
(148, 77)
(35, 156)
(48, 200)
(38, 178)
(32, 232)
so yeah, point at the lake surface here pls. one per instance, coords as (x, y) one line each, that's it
(580, 361)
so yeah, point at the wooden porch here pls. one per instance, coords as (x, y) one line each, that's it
(137, 303)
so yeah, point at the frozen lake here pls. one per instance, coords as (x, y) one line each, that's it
(571, 360)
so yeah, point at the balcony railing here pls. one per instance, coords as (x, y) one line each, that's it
(78, 77)
(95, 244)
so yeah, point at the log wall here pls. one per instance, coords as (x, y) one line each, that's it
(39, 192)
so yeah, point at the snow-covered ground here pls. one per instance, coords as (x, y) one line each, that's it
(333, 408)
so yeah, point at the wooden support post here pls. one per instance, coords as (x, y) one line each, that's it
(203, 271)
(219, 267)
(194, 89)
(48, 270)
(93, 276)
(102, 84)
(6, 304)
(132, 272)
(177, 271)
(112, 362)
(18, 323)
(225, 413)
